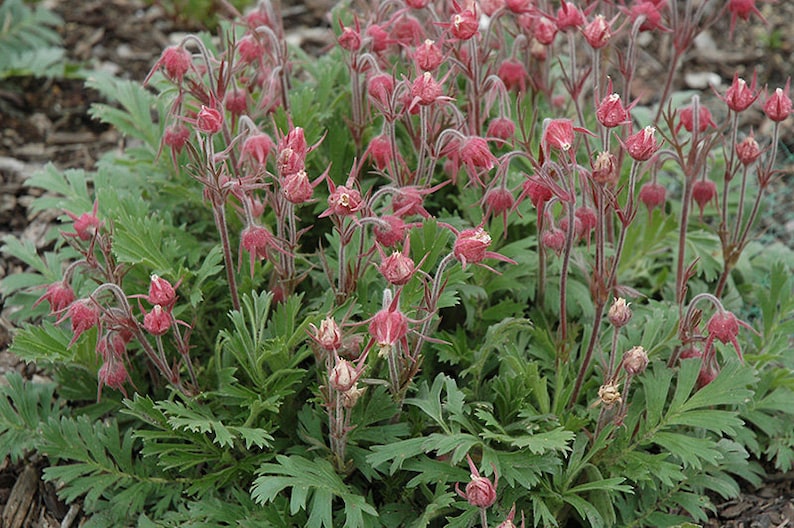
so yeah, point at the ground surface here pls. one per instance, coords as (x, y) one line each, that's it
(45, 121)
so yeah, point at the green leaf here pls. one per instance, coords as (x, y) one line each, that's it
(314, 485)
(24, 406)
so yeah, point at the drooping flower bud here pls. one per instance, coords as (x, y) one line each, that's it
(605, 169)
(464, 24)
(380, 88)
(598, 32)
(328, 335)
(544, 30)
(59, 295)
(653, 195)
(724, 327)
(209, 120)
(553, 238)
(569, 17)
(391, 231)
(480, 492)
(748, 150)
(297, 188)
(558, 134)
(687, 119)
(635, 360)
(619, 313)
(236, 101)
(176, 62)
(425, 90)
(250, 49)
(611, 112)
(513, 75)
(343, 376)
(397, 268)
(538, 192)
(428, 56)
(471, 245)
(501, 128)
(175, 137)
(389, 325)
(158, 321)
(350, 39)
(112, 374)
(86, 225)
(704, 191)
(84, 315)
(257, 147)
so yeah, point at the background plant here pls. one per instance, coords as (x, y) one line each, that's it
(310, 289)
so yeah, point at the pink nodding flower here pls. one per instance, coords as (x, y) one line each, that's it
(158, 321)
(499, 201)
(86, 225)
(257, 147)
(611, 112)
(544, 30)
(553, 238)
(539, 193)
(513, 75)
(328, 335)
(748, 150)
(380, 88)
(778, 106)
(390, 231)
(161, 292)
(480, 492)
(398, 268)
(380, 151)
(112, 374)
(742, 9)
(558, 134)
(652, 195)
(84, 315)
(471, 247)
(703, 191)
(474, 153)
(378, 38)
(297, 188)
(598, 32)
(250, 49)
(501, 128)
(389, 325)
(59, 295)
(257, 241)
(642, 145)
(236, 101)
(569, 17)
(687, 119)
(175, 137)
(209, 120)
(739, 97)
(350, 39)
(343, 376)
(408, 201)
(651, 11)
(176, 62)
(428, 56)
(724, 327)
(407, 31)
(425, 90)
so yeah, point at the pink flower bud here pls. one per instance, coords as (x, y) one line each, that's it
(380, 88)
(59, 295)
(501, 128)
(707, 374)
(471, 246)
(209, 120)
(380, 151)
(328, 336)
(475, 153)
(257, 147)
(176, 61)
(518, 7)
(724, 327)
(653, 195)
(428, 56)
(588, 218)
(605, 169)
(619, 313)
(250, 49)
(544, 30)
(558, 134)
(538, 192)
(513, 74)
(569, 17)
(687, 119)
(748, 150)
(651, 13)
(86, 225)
(390, 231)
(257, 241)
(778, 106)
(635, 360)
(157, 322)
(704, 191)
(397, 268)
(690, 352)
(292, 150)
(297, 188)
(389, 325)
(480, 492)
(378, 38)
(553, 239)
(84, 315)
(236, 101)
(611, 112)
(739, 97)
(598, 32)
(350, 39)
(343, 376)
(161, 292)
(642, 145)
(175, 137)
(112, 374)
(498, 200)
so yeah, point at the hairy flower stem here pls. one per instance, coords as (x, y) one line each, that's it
(219, 215)
(338, 430)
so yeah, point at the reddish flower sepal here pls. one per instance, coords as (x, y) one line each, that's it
(724, 327)
(480, 491)
(471, 247)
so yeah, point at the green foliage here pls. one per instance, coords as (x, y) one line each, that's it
(29, 43)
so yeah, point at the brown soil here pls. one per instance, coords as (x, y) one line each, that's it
(47, 121)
